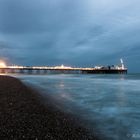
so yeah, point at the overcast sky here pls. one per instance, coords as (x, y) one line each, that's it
(70, 32)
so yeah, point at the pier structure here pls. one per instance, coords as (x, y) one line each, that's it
(61, 69)
(118, 69)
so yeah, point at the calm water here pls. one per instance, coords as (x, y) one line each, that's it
(111, 103)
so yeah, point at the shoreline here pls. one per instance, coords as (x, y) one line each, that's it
(23, 115)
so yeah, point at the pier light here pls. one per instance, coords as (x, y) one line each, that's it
(62, 66)
(2, 64)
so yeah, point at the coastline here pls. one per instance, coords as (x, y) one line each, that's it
(23, 115)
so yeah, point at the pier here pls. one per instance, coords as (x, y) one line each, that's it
(59, 70)
(118, 69)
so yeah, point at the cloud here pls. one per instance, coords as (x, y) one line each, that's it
(71, 32)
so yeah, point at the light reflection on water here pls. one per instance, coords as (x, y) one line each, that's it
(110, 101)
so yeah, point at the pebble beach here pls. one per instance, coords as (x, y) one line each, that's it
(24, 116)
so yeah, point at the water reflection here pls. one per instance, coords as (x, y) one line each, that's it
(111, 102)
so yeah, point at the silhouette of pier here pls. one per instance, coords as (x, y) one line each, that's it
(60, 70)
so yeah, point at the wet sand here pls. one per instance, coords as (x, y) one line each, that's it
(24, 116)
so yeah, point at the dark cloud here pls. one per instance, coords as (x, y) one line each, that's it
(79, 33)
(4, 46)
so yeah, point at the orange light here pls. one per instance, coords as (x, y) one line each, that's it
(2, 64)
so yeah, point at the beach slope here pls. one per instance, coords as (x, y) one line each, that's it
(24, 116)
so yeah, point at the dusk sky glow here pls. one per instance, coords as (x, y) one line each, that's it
(73, 33)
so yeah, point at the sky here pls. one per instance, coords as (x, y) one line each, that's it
(70, 32)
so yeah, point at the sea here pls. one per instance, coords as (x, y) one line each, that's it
(110, 104)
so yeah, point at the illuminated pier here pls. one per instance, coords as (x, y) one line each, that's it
(57, 70)
(63, 69)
